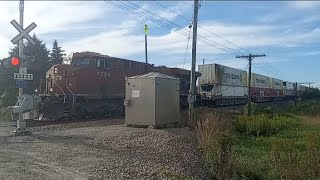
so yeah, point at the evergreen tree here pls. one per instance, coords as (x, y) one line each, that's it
(57, 54)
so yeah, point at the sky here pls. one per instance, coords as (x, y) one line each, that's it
(288, 32)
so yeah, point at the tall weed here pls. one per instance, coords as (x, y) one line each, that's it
(214, 137)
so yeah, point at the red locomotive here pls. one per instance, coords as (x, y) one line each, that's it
(91, 84)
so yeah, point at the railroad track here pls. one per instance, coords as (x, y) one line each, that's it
(36, 123)
(8, 124)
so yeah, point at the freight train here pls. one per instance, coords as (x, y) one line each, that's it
(221, 85)
(92, 84)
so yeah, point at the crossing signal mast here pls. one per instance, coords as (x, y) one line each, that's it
(17, 62)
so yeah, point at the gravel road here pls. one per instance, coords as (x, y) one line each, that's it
(103, 149)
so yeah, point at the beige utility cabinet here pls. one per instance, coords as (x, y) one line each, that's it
(152, 99)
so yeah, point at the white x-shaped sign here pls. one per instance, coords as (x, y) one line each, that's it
(23, 32)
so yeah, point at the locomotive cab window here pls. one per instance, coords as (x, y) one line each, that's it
(103, 63)
(83, 61)
(100, 63)
(107, 64)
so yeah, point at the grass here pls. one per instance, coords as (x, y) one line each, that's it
(283, 145)
(5, 116)
(313, 121)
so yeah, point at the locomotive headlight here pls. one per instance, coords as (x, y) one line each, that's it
(55, 70)
(50, 89)
(36, 90)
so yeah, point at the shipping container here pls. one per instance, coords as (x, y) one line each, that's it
(288, 85)
(260, 81)
(276, 84)
(289, 92)
(219, 74)
(261, 92)
(224, 91)
(288, 88)
(301, 88)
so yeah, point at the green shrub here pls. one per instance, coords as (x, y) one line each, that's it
(262, 125)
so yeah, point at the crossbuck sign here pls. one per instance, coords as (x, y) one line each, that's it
(23, 33)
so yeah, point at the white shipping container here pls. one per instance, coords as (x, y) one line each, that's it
(260, 81)
(276, 83)
(301, 88)
(226, 91)
(219, 74)
(289, 85)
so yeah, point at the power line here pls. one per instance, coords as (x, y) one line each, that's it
(201, 26)
(176, 25)
(144, 13)
(172, 11)
(271, 68)
(166, 23)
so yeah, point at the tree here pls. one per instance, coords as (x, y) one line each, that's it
(37, 55)
(57, 54)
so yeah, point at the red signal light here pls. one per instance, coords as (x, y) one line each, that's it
(15, 61)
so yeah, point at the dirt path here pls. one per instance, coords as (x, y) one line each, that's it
(100, 150)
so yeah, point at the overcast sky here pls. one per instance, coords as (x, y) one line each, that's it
(287, 32)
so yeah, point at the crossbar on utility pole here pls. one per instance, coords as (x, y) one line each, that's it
(250, 57)
(307, 83)
(193, 66)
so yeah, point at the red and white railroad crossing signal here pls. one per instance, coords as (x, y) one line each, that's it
(12, 62)
(15, 61)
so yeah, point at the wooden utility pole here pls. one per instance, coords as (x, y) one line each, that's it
(250, 57)
(193, 66)
(295, 94)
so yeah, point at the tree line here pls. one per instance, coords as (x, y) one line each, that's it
(38, 61)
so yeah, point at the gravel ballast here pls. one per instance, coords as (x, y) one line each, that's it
(103, 149)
